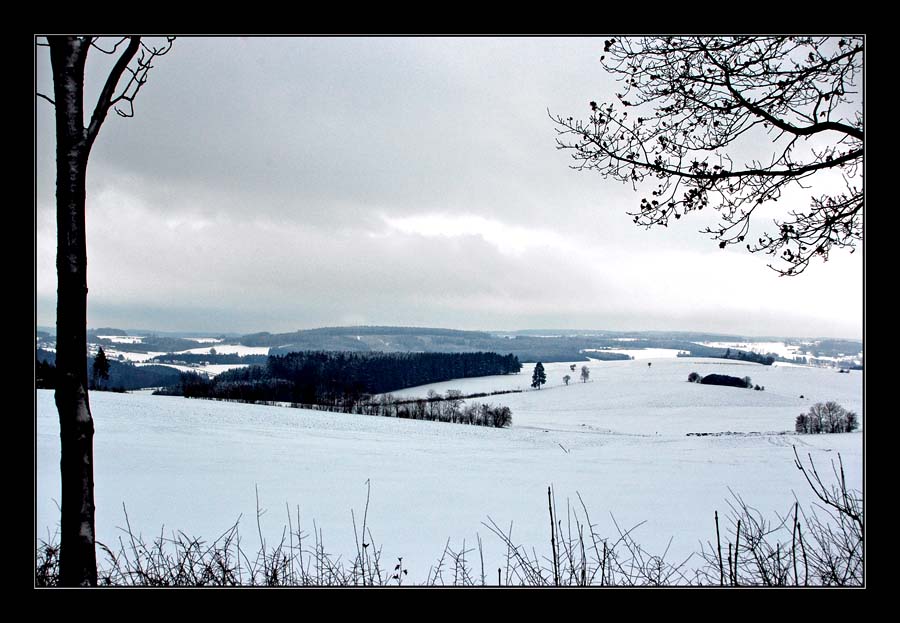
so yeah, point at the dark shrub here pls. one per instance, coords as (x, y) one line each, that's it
(723, 379)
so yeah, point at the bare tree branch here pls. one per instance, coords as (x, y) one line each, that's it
(114, 48)
(106, 95)
(138, 78)
(696, 102)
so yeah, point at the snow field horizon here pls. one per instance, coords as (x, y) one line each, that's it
(619, 441)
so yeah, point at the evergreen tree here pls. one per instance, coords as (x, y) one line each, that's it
(100, 369)
(45, 375)
(539, 377)
(585, 374)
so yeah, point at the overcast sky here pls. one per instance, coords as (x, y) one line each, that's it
(280, 184)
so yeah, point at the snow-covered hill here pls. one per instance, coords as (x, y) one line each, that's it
(620, 441)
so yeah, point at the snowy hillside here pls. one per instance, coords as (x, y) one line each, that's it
(621, 441)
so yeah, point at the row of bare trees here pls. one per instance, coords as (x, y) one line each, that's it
(585, 374)
(450, 408)
(828, 417)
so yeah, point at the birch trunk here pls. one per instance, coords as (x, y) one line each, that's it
(78, 560)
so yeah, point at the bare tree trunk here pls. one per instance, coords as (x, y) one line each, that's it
(68, 55)
(78, 560)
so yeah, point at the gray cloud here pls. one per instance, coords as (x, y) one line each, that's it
(277, 184)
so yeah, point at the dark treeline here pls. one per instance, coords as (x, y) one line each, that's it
(721, 379)
(528, 346)
(737, 355)
(45, 356)
(426, 340)
(328, 378)
(123, 376)
(44, 374)
(434, 408)
(547, 350)
(835, 348)
(740, 355)
(327, 375)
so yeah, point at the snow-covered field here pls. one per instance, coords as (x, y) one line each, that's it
(210, 370)
(137, 339)
(620, 441)
(113, 353)
(227, 349)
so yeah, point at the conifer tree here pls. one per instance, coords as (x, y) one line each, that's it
(100, 369)
(539, 377)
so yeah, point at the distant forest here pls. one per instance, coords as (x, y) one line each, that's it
(417, 339)
(835, 348)
(123, 376)
(328, 378)
(528, 346)
(739, 355)
(150, 343)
